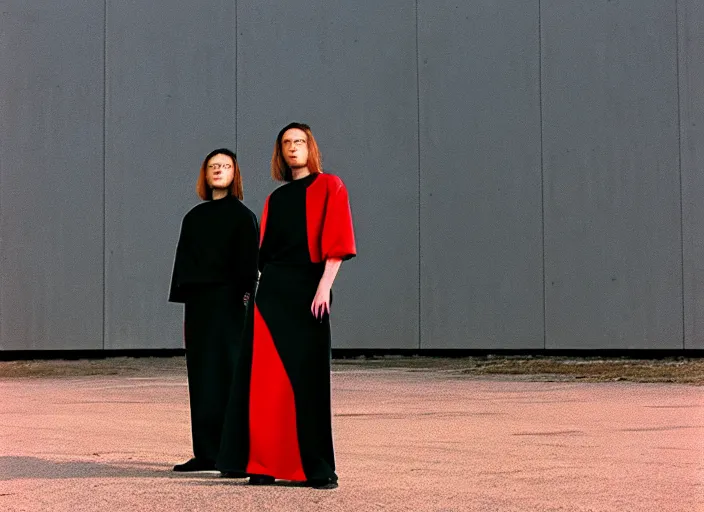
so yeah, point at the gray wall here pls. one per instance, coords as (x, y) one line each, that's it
(480, 193)
(51, 175)
(691, 80)
(613, 256)
(352, 76)
(170, 100)
(523, 174)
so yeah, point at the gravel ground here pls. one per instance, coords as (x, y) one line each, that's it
(406, 439)
(679, 370)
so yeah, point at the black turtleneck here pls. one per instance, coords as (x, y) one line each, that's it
(219, 244)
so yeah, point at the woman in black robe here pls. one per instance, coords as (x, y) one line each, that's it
(214, 273)
(278, 423)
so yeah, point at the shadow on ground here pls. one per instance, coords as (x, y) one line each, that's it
(12, 468)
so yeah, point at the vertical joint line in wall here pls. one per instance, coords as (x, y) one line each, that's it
(236, 78)
(105, 109)
(2, 337)
(420, 288)
(679, 166)
(542, 169)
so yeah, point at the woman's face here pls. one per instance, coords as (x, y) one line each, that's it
(294, 145)
(220, 172)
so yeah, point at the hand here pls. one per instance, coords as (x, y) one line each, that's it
(245, 299)
(321, 303)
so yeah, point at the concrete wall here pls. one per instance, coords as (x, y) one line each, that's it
(51, 175)
(613, 250)
(170, 100)
(691, 81)
(480, 188)
(523, 175)
(351, 75)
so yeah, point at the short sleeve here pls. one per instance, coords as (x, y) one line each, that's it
(337, 239)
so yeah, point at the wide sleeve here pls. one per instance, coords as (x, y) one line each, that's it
(337, 240)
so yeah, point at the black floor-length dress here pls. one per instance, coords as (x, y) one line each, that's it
(279, 418)
(215, 265)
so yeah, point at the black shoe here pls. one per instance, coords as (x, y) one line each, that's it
(322, 483)
(233, 474)
(261, 480)
(195, 465)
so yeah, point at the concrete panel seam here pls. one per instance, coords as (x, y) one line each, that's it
(236, 56)
(420, 291)
(2, 339)
(105, 111)
(679, 165)
(542, 167)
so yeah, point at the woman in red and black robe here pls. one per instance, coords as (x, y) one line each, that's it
(278, 424)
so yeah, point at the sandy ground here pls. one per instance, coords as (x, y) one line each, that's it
(406, 439)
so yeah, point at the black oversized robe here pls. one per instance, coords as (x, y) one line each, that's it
(215, 266)
(218, 244)
(279, 418)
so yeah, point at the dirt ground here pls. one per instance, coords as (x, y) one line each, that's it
(410, 435)
(679, 370)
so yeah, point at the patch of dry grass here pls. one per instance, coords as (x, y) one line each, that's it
(679, 370)
(86, 367)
